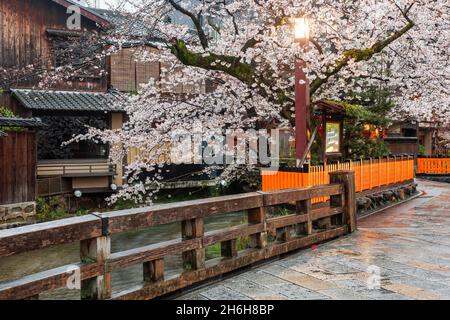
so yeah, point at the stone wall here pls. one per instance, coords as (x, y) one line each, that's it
(17, 212)
(378, 200)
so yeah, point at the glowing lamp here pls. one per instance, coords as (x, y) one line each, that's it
(301, 29)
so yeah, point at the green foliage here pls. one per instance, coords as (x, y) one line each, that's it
(368, 107)
(49, 209)
(122, 204)
(6, 113)
(373, 98)
(82, 212)
(363, 148)
(359, 114)
(55, 208)
(280, 211)
(421, 149)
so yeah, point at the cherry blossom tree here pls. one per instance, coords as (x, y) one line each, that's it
(237, 59)
(244, 51)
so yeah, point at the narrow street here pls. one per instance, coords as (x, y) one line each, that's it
(399, 253)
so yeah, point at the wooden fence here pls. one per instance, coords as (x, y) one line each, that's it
(267, 237)
(369, 174)
(18, 167)
(433, 166)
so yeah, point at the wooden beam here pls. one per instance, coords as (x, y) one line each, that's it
(134, 219)
(99, 287)
(305, 208)
(224, 266)
(231, 233)
(272, 198)
(347, 179)
(229, 248)
(123, 259)
(193, 229)
(153, 270)
(37, 283)
(257, 216)
(43, 235)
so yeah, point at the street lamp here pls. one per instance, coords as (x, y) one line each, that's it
(302, 92)
(301, 29)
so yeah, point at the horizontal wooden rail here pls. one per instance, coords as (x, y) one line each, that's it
(39, 236)
(266, 238)
(49, 169)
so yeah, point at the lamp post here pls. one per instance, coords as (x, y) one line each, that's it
(302, 92)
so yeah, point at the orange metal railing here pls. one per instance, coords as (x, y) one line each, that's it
(369, 174)
(433, 166)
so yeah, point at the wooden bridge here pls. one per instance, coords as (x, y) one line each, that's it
(399, 253)
(267, 237)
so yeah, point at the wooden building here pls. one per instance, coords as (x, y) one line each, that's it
(401, 138)
(37, 37)
(36, 33)
(17, 167)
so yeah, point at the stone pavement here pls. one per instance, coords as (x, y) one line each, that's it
(408, 246)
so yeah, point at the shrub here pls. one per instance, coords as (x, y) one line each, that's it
(6, 113)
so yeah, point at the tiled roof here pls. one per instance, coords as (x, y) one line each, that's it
(85, 11)
(17, 122)
(122, 24)
(69, 100)
(130, 27)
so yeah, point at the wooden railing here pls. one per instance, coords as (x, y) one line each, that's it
(75, 168)
(433, 165)
(51, 186)
(369, 174)
(267, 237)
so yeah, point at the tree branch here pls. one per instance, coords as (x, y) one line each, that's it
(228, 64)
(195, 20)
(361, 54)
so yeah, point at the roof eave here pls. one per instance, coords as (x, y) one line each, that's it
(86, 13)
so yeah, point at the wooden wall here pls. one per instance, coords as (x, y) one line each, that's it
(23, 37)
(402, 145)
(128, 72)
(18, 167)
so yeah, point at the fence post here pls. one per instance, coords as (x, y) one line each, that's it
(379, 171)
(192, 229)
(256, 216)
(361, 173)
(395, 169)
(347, 179)
(98, 249)
(153, 271)
(305, 207)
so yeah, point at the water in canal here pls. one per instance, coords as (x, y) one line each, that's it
(16, 266)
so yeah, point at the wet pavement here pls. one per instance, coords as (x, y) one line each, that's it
(400, 253)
